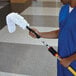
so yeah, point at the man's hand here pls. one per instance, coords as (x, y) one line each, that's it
(32, 34)
(66, 61)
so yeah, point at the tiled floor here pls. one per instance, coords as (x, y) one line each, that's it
(46, 4)
(34, 60)
(50, 0)
(21, 55)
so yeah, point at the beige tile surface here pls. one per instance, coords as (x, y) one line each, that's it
(25, 59)
(41, 11)
(22, 36)
(11, 74)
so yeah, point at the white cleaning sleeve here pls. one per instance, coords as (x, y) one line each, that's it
(10, 24)
(15, 18)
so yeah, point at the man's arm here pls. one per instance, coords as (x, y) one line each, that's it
(49, 35)
(67, 61)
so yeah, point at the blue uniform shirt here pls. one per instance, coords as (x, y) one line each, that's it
(67, 37)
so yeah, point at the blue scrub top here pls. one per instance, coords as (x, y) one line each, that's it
(67, 38)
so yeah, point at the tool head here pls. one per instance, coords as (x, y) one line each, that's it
(14, 19)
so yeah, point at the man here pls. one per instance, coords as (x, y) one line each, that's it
(66, 35)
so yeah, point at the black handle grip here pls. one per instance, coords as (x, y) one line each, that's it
(52, 50)
(33, 31)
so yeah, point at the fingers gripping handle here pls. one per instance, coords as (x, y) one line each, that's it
(33, 31)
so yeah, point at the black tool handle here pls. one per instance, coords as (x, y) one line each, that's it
(33, 31)
(52, 50)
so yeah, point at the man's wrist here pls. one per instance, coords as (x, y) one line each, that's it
(71, 58)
